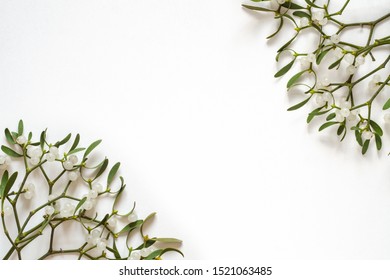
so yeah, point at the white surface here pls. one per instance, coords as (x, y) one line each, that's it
(183, 94)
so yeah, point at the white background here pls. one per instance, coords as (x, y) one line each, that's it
(183, 94)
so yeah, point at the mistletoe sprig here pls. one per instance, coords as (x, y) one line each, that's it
(335, 99)
(102, 231)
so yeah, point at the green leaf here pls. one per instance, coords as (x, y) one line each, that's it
(4, 181)
(341, 129)
(76, 151)
(277, 30)
(358, 136)
(29, 136)
(378, 142)
(386, 105)
(294, 78)
(299, 105)
(334, 64)
(115, 250)
(130, 227)
(8, 136)
(378, 130)
(102, 168)
(365, 146)
(81, 202)
(168, 240)
(254, 8)
(103, 221)
(91, 147)
(20, 128)
(287, 44)
(10, 152)
(43, 139)
(112, 173)
(321, 56)
(146, 220)
(301, 14)
(154, 254)
(9, 184)
(75, 142)
(315, 112)
(331, 116)
(327, 124)
(292, 6)
(63, 141)
(312, 4)
(171, 249)
(285, 69)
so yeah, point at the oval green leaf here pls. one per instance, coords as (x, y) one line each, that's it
(299, 105)
(8, 136)
(285, 69)
(91, 147)
(365, 146)
(378, 142)
(112, 173)
(326, 125)
(295, 78)
(378, 130)
(10, 152)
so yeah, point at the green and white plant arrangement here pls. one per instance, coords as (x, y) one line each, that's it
(72, 195)
(347, 100)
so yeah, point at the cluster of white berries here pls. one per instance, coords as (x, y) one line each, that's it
(366, 134)
(353, 62)
(144, 252)
(91, 196)
(319, 17)
(94, 239)
(321, 99)
(35, 154)
(70, 162)
(53, 154)
(345, 112)
(4, 161)
(67, 210)
(29, 191)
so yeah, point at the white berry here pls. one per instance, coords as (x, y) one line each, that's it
(335, 38)
(68, 165)
(49, 210)
(73, 175)
(98, 187)
(367, 135)
(135, 256)
(92, 194)
(73, 159)
(344, 112)
(21, 140)
(359, 60)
